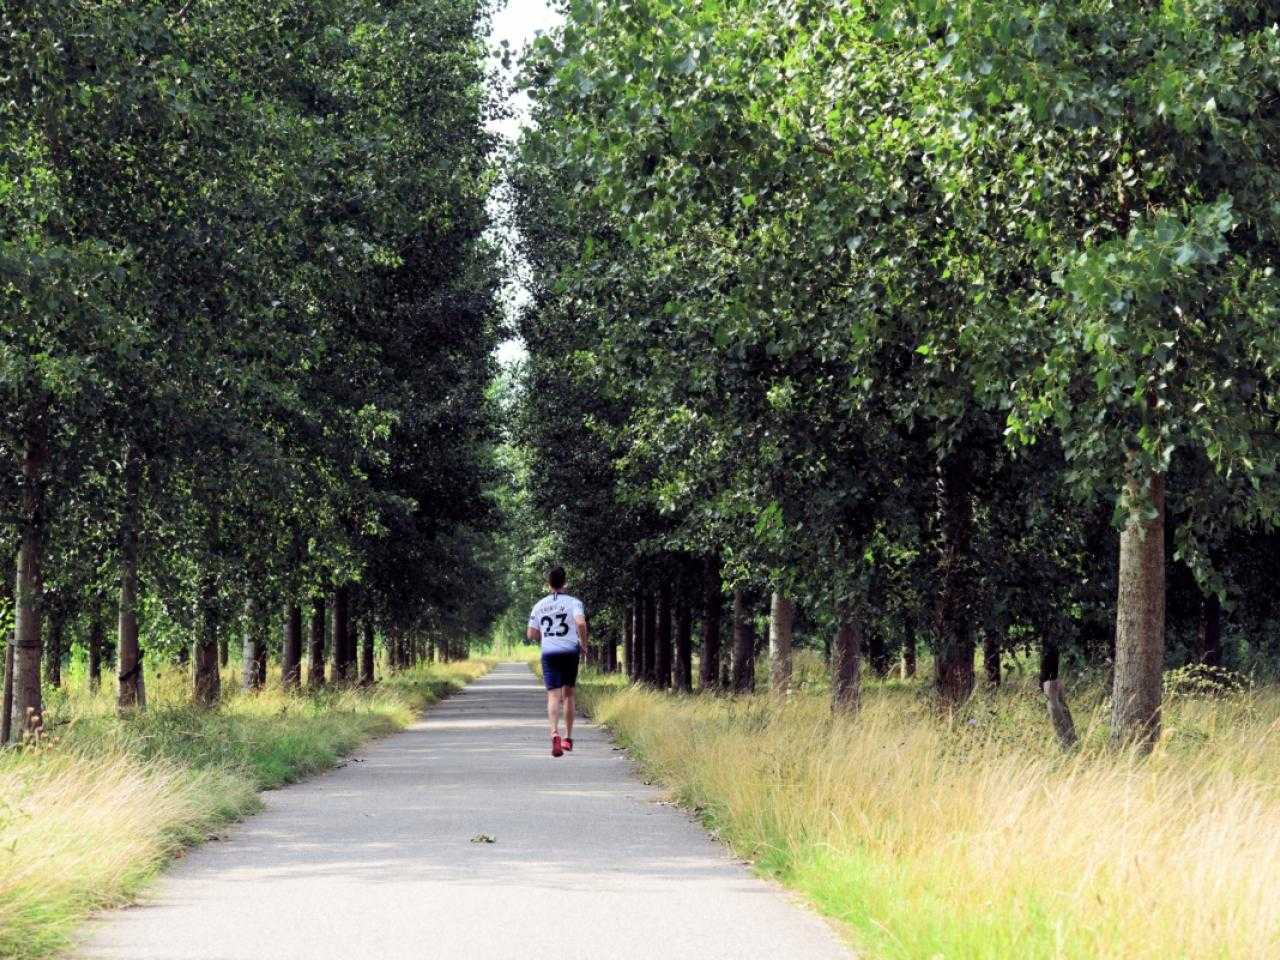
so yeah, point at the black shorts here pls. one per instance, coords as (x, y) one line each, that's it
(560, 670)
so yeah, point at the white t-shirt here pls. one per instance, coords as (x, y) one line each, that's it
(555, 617)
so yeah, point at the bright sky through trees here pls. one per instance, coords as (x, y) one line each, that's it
(518, 23)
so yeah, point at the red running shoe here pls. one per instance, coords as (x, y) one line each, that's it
(567, 743)
(556, 749)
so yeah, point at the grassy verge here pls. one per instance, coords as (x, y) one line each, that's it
(88, 817)
(972, 836)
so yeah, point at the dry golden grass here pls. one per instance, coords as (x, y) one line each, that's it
(88, 816)
(973, 836)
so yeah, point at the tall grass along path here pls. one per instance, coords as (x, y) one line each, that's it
(377, 860)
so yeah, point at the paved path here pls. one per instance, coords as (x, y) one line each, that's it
(374, 860)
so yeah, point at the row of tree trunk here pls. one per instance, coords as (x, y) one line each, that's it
(350, 654)
(658, 641)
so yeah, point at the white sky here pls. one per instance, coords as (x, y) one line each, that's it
(519, 22)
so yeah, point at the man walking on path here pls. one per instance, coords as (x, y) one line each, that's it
(559, 622)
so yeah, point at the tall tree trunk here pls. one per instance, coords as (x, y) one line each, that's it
(635, 637)
(315, 649)
(366, 653)
(782, 617)
(353, 634)
(291, 649)
(29, 592)
(1135, 712)
(744, 644)
(629, 641)
(97, 629)
(264, 652)
(251, 649)
(1050, 661)
(6, 698)
(393, 647)
(713, 605)
(341, 634)
(952, 627)
(1209, 631)
(908, 647)
(877, 653)
(663, 670)
(53, 647)
(992, 643)
(132, 694)
(684, 643)
(207, 657)
(846, 683)
(6, 721)
(648, 648)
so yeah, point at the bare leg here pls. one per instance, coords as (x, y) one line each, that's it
(554, 698)
(569, 704)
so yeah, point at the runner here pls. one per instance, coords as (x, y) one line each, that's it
(560, 623)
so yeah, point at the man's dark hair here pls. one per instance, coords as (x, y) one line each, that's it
(555, 579)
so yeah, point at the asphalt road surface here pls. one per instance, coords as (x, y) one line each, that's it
(376, 860)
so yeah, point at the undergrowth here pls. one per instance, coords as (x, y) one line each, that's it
(970, 834)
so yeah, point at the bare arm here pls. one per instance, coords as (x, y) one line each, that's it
(583, 633)
(533, 633)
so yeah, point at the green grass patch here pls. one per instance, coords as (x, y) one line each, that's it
(970, 835)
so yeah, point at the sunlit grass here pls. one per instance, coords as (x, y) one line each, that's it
(518, 652)
(90, 815)
(972, 835)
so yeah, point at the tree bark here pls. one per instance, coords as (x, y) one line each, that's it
(315, 651)
(908, 648)
(846, 682)
(877, 653)
(53, 647)
(6, 721)
(992, 642)
(628, 642)
(782, 617)
(264, 652)
(684, 644)
(251, 649)
(291, 649)
(341, 633)
(1135, 712)
(1209, 631)
(366, 654)
(662, 675)
(97, 629)
(713, 606)
(207, 659)
(29, 591)
(648, 646)
(6, 698)
(744, 643)
(1059, 713)
(131, 694)
(953, 631)
(1049, 661)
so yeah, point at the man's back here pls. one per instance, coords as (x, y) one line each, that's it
(555, 617)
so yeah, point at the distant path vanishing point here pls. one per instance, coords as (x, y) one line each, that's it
(376, 860)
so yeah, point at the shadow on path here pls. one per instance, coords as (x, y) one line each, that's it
(376, 860)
